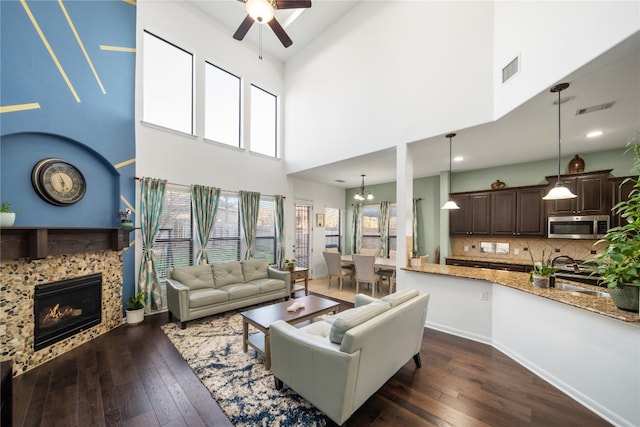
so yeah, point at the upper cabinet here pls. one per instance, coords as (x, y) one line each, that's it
(620, 191)
(592, 189)
(473, 217)
(518, 212)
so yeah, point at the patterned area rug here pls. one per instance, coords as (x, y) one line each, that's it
(238, 381)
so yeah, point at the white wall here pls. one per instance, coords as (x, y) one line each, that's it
(388, 73)
(554, 38)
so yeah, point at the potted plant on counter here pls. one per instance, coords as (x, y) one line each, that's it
(619, 265)
(135, 308)
(542, 271)
(7, 215)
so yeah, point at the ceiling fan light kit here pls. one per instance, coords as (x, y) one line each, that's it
(262, 11)
(559, 192)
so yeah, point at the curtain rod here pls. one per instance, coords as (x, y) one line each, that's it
(189, 186)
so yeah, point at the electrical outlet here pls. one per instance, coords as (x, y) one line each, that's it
(484, 296)
(466, 248)
(516, 251)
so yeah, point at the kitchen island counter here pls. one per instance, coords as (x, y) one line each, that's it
(520, 281)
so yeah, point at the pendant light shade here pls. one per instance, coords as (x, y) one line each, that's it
(450, 204)
(360, 194)
(559, 192)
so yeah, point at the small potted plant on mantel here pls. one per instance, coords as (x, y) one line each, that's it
(125, 221)
(542, 271)
(619, 265)
(7, 215)
(135, 308)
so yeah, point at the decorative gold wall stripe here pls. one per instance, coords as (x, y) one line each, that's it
(84, 51)
(131, 2)
(48, 46)
(125, 163)
(126, 202)
(118, 48)
(19, 107)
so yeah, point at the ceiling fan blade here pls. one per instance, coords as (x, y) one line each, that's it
(280, 33)
(243, 28)
(293, 4)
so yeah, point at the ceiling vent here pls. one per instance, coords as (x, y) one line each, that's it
(511, 69)
(593, 108)
(339, 180)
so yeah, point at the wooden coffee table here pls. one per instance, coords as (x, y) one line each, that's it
(261, 318)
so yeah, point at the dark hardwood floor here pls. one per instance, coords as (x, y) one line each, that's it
(133, 376)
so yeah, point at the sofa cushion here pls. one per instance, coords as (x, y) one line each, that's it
(346, 320)
(255, 269)
(206, 297)
(399, 297)
(317, 331)
(268, 285)
(194, 277)
(227, 273)
(240, 290)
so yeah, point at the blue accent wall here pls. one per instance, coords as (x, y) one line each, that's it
(96, 134)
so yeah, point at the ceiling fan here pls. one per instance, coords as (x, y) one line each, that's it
(262, 11)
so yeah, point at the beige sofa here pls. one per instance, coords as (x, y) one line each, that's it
(202, 290)
(338, 363)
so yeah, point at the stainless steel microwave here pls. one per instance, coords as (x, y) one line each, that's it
(578, 227)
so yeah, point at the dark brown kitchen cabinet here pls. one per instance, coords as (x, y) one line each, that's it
(620, 189)
(518, 212)
(592, 189)
(520, 268)
(474, 215)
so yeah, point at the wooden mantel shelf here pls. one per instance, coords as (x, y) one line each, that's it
(40, 242)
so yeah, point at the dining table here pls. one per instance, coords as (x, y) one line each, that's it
(380, 262)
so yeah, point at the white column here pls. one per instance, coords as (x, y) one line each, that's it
(445, 241)
(404, 200)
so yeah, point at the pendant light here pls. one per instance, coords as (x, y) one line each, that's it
(559, 191)
(360, 194)
(450, 204)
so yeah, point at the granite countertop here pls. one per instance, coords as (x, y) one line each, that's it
(520, 281)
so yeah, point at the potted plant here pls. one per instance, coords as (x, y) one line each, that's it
(7, 215)
(125, 221)
(289, 264)
(619, 265)
(542, 271)
(415, 259)
(135, 308)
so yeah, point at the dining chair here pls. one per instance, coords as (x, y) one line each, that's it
(334, 266)
(365, 271)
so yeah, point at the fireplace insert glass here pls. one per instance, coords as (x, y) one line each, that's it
(64, 308)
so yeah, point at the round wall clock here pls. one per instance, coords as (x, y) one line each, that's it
(58, 182)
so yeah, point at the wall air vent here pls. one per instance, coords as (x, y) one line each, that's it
(593, 108)
(339, 180)
(511, 69)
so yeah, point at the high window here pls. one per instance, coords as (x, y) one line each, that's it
(167, 84)
(264, 122)
(222, 106)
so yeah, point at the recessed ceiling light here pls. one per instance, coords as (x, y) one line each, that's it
(458, 159)
(594, 134)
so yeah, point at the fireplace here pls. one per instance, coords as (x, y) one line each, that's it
(64, 308)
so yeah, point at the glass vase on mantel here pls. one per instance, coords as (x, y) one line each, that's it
(126, 223)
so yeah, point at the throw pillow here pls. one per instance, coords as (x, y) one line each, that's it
(399, 297)
(255, 269)
(346, 320)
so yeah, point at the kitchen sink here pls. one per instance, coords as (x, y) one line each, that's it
(582, 291)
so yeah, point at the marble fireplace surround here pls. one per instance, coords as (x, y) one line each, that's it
(18, 280)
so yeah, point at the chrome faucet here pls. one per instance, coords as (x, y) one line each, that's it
(574, 264)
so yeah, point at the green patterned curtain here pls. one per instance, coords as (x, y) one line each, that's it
(356, 239)
(383, 228)
(249, 207)
(279, 230)
(414, 233)
(151, 201)
(205, 206)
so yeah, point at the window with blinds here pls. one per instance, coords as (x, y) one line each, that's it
(224, 240)
(332, 229)
(174, 242)
(371, 231)
(266, 231)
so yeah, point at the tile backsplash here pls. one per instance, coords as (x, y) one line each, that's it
(519, 248)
